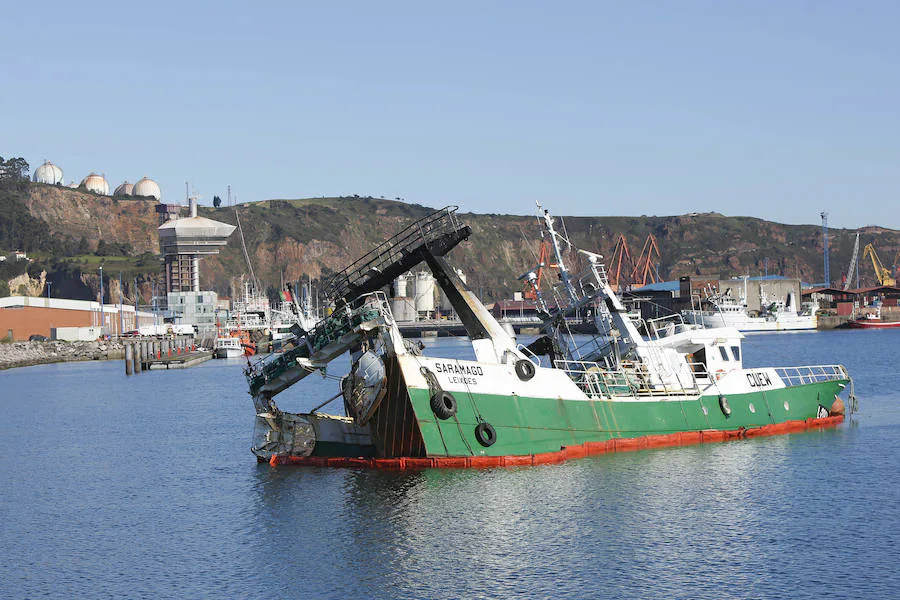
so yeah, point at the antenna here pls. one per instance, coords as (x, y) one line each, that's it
(824, 216)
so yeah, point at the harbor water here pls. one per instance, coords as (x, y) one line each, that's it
(144, 487)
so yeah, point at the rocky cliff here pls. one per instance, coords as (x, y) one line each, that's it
(80, 214)
(290, 239)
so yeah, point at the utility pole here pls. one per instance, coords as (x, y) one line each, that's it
(824, 216)
(102, 316)
(121, 301)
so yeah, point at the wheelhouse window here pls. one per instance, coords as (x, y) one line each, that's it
(724, 352)
(736, 351)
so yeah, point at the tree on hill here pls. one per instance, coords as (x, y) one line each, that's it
(217, 202)
(14, 169)
(105, 248)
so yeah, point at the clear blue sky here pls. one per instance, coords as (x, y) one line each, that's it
(770, 109)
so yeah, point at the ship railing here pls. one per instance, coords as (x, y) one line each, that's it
(792, 376)
(633, 380)
(666, 326)
(390, 251)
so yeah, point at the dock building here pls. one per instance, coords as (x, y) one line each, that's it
(71, 320)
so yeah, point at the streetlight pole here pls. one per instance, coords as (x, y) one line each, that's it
(49, 283)
(121, 301)
(101, 300)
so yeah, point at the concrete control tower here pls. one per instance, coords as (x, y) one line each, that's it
(182, 243)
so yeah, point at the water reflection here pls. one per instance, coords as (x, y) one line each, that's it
(149, 490)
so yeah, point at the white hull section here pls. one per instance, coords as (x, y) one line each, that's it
(746, 323)
(228, 348)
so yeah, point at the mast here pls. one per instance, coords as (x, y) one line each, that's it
(253, 278)
(554, 238)
(824, 216)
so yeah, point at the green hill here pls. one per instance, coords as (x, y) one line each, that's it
(70, 232)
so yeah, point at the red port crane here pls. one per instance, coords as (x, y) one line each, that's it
(645, 268)
(622, 265)
(543, 261)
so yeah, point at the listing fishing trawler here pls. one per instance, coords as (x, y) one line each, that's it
(513, 404)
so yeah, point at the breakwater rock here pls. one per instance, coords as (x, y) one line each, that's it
(23, 354)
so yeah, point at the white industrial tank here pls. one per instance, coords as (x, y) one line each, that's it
(446, 307)
(124, 189)
(147, 188)
(96, 183)
(48, 173)
(400, 290)
(403, 308)
(425, 294)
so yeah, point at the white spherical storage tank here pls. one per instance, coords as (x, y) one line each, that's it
(96, 183)
(124, 189)
(424, 293)
(147, 188)
(48, 173)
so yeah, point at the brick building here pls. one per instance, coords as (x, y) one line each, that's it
(24, 316)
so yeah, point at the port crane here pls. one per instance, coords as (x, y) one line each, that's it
(621, 264)
(645, 269)
(530, 290)
(881, 273)
(854, 266)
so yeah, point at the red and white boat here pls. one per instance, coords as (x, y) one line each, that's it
(872, 321)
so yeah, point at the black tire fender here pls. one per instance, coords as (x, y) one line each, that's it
(723, 406)
(443, 404)
(524, 369)
(485, 434)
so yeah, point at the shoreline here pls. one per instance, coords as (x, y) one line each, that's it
(28, 354)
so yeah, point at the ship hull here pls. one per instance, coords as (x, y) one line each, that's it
(538, 425)
(750, 324)
(622, 444)
(873, 324)
(548, 413)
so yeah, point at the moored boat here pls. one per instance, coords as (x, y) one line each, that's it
(228, 347)
(724, 310)
(872, 321)
(514, 404)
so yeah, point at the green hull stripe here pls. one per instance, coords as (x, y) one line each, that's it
(536, 425)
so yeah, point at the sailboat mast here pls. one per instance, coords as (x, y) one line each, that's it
(244, 247)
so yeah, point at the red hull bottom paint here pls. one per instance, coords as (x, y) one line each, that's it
(874, 324)
(685, 438)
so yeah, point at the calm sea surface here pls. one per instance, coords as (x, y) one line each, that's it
(144, 487)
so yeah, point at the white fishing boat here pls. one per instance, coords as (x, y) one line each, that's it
(228, 347)
(293, 311)
(721, 309)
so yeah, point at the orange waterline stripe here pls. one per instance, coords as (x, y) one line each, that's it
(682, 438)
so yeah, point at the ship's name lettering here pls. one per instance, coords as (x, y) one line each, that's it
(758, 379)
(461, 379)
(455, 369)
